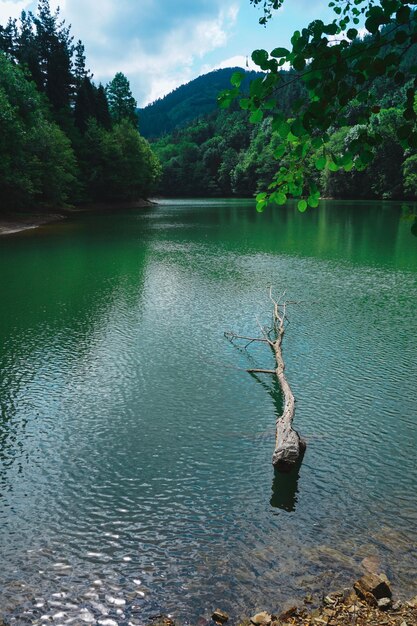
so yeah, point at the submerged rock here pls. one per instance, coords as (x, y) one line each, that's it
(371, 564)
(219, 616)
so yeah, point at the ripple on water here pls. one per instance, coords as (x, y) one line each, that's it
(136, 471)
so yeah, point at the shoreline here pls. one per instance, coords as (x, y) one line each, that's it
(368, 602)
(12, 223)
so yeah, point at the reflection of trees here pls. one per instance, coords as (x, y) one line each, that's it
(360, 232)
(59, 293)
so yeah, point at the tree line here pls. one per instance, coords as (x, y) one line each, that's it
(64, 139)
(238, 151)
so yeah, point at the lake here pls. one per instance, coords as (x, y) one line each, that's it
(135, 451)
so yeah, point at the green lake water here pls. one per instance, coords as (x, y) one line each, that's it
(135, 452)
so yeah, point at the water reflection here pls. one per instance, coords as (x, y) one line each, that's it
(140, 470)
(284, 485)
(285, 489)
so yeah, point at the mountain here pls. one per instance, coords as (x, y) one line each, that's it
(186, 103)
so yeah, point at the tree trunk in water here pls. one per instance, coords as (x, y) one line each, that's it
(289, 447)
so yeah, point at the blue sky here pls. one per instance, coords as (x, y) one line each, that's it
(161, 44)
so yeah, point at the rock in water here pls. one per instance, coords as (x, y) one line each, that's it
(373, 588)
(371, 564)
(219, 616)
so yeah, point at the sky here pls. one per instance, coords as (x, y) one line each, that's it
(161, 44)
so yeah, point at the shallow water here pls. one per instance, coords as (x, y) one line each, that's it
(135, 455)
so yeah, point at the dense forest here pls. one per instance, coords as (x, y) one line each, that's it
(224, 153)
(183, 105)
(66, 140)
(63, 139)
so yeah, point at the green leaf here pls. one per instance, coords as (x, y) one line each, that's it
(260, 206)
(298, 63)
(284, 130)
(224, 103)
(320, 163)
(302, 206)
(237, 78)
(280, 151)
(260, 57)
(279, 198)
(256, 116)
(297, 128)
(313, 202)
(244, 103)
(261, 196)
(279, 52)
(403, 15)
(352, 33)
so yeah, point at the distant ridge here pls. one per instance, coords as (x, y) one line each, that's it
(187, 102)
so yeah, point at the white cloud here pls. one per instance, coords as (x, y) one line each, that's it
(11, 8)
(238, 60)
(156, 66)
(158, 45)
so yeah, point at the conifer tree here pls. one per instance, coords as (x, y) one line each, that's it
(122, 104)
(102, 108)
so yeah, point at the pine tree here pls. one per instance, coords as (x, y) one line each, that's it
(85, 104)
(27, 49)
(80, 72)
(122, 104)
(55, 56)
(8, 38)
(102, 108)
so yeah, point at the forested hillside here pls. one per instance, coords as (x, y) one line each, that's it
(64, 139)
(186, 103)
(229, 153)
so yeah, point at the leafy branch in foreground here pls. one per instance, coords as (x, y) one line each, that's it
(338, 69)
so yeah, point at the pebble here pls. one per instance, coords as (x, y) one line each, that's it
(107, 622)
(86, 616)
(100, 608)
(59, 615)
(115, 601)
(384, 603)
(90, 595)
(261, 619)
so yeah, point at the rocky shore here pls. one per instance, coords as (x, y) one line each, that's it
(369, 602)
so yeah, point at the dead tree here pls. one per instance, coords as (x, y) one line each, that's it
(289, 447)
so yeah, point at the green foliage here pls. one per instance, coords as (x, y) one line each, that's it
(410, 175)
(37, 163)
(189, 102)
(117, 165)
(122, 104)
(58, 143)
(343, 77)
